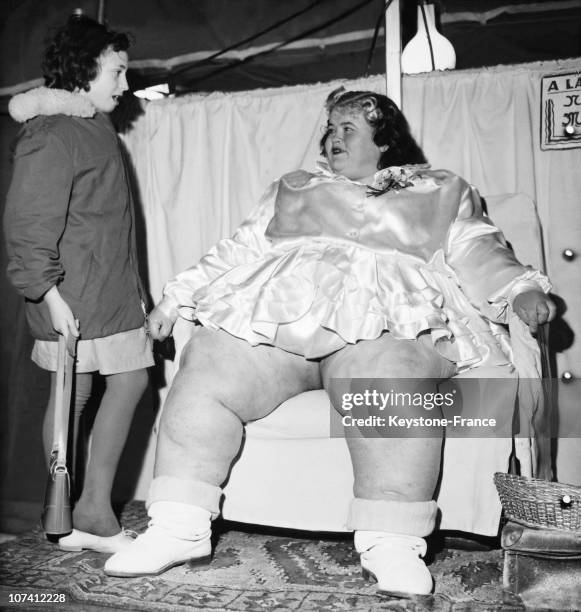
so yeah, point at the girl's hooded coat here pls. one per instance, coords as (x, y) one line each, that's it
(69, 217)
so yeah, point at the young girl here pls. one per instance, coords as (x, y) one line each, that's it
(70, 238)
(372, 267)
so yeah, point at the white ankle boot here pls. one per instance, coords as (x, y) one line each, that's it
(394, 561)
(177, 533)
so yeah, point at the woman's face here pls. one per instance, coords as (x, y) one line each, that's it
(349, 147)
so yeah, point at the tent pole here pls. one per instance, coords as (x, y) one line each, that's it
(393, 52)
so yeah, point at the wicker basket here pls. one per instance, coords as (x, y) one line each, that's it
(539, 503)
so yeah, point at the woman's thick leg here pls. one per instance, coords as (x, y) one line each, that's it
(395, 477)
(93, 512)
(394, 468)
(222, 383)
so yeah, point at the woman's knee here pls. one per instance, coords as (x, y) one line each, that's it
(251, 381)
(199, 417)
(199, 411)
(205, 347)
(188, 353)
(390, 358)
(211, 370)
(212, 362)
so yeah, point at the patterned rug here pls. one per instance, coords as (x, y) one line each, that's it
(249, 572)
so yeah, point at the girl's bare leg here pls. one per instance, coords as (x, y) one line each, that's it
(93, 512)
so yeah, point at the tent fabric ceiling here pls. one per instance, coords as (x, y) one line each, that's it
(173, 37)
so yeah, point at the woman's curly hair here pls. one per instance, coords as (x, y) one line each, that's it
(71, 58)
(389, 124)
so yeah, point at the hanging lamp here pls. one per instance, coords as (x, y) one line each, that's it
(428, 49)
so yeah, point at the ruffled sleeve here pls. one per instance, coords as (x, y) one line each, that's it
(488, 271)
(246, 245)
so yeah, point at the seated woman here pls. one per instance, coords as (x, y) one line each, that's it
(374, 267)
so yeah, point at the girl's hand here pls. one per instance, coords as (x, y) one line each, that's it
(159, 324)
(61, 316)
(535, 308)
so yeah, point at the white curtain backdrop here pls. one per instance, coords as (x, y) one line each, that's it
(202, 161)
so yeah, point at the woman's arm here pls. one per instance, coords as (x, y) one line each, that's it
(246, 245)
(488, 271)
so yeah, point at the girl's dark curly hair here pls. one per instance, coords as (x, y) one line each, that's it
(389, 124)
(71, 58)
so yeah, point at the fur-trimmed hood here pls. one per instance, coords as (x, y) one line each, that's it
(45, 101)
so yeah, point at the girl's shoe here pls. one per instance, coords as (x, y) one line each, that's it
(394, 562)
(79, 540)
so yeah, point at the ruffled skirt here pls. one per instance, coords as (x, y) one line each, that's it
(315, 298)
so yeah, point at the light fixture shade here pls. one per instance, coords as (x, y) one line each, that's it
(416, 55)
(154, 92)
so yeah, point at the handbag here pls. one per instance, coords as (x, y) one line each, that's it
(541, 541)
(542, 566)
(57, 512)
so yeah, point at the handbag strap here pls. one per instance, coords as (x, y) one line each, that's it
(64, 383)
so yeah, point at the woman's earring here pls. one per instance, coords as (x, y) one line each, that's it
(384, 148)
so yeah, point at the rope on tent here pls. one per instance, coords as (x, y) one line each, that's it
(274, 26)
(276, 47)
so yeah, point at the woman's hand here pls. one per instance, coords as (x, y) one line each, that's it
(159, 324)
(61, 316)
(535, 308)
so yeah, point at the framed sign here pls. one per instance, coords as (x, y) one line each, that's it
(561, 111)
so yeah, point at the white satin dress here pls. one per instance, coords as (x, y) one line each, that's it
(323, 261)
